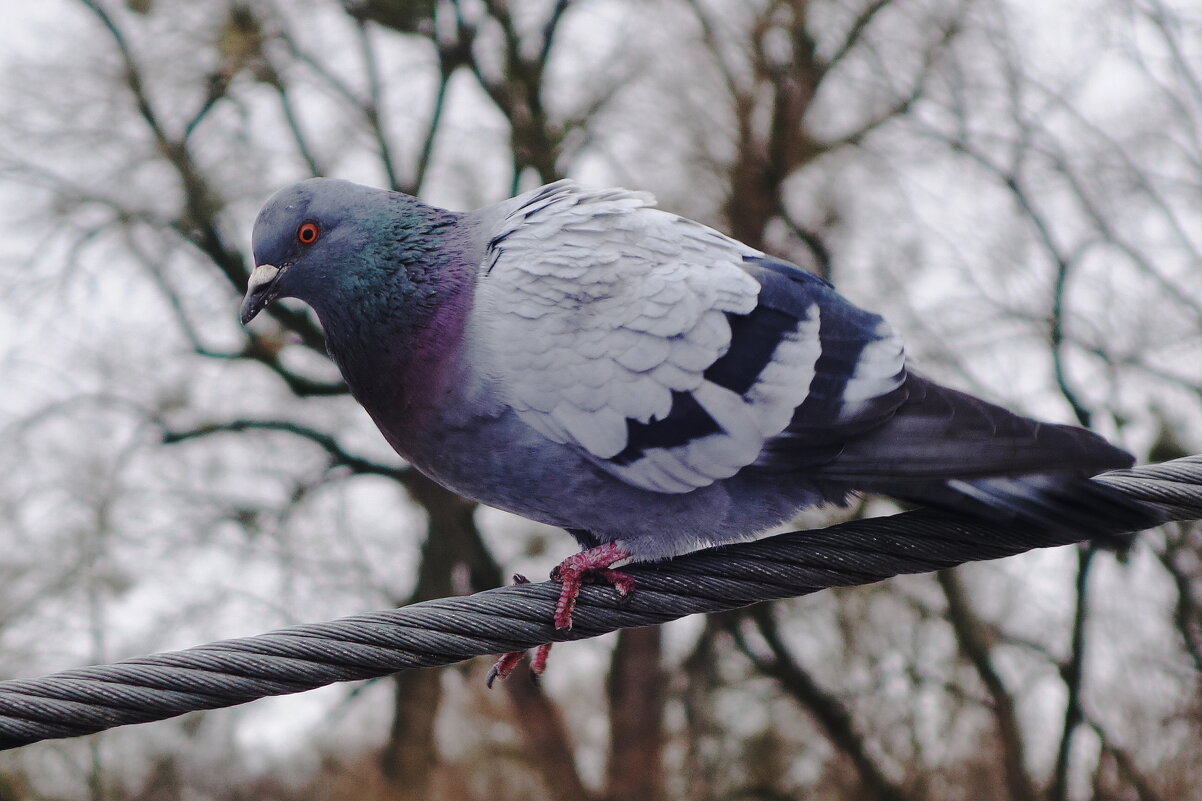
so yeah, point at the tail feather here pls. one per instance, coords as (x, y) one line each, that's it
(939, 433)
(950, 450)
(1050, 502)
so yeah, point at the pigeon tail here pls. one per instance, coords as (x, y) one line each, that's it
(1050, 502)
(950, 450)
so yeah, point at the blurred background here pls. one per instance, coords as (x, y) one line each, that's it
(1016, 185)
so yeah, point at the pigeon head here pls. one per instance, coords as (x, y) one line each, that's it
(308, 239)
(340, 246)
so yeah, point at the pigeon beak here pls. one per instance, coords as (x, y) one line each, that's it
(260, 290)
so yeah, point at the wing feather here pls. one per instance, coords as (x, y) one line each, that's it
(672, 357)
(670, 354)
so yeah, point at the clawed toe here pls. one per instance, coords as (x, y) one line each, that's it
(589, 565)
(593, 563)
(503, 667)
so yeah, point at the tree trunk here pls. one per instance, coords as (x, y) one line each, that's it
(636, 706)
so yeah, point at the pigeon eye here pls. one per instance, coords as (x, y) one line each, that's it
(307, 233)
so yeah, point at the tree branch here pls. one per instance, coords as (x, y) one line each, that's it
(834, 719)
(446, 70)
(1125, 763)
(293, 122)
(1063, 265)
(339, 456)
(1073, 673)
(374, 103)
(974, 646)
(1187, 611)
(198, 224)
(855, 33)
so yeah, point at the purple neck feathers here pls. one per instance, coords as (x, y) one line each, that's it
(399, 345)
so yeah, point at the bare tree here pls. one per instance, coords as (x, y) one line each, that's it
(173, 476)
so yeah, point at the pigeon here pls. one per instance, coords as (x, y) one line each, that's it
(581, 358)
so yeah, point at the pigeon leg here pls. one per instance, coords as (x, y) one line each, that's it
(571, 573)
(593, 563)
(505, 665)
(538, 663)
(507, 662)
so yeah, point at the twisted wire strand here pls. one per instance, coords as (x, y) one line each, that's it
(440, 632)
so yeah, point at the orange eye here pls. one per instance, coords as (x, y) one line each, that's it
(307, 233)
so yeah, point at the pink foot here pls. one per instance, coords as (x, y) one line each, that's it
(506, 664)
(572, 572)
(503, 667)
(593, 563)
(538, 663)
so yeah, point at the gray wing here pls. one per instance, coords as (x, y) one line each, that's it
(673, 356)
(627, 332)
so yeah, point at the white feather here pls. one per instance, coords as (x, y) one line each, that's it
(593, 307)
(878, 370)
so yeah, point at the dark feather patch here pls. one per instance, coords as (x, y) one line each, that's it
(686, 421)
(786, 295)
(844, 331)
(753, 340)
(782, 303)
(821, 425)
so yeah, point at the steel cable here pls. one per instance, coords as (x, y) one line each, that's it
(440, 632)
